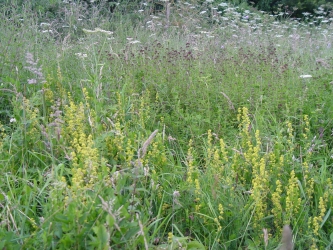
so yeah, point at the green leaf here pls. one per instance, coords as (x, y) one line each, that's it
(110, 220)
(61, 218)
(195, 245)
(325, 218)
(102, 236)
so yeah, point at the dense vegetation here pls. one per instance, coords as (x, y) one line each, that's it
(201, 126)
(291, 8)
(294, 7)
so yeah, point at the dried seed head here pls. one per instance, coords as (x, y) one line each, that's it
(287, 238)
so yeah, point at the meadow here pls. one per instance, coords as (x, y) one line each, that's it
(198, 127)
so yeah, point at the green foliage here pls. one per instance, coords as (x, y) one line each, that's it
(293, 8)
(152, 132)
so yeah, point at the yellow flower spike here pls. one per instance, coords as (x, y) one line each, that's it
(197, 188)
(239, 114)
(33, 223)
(217, 166)
(85, 94)
(48, 94)
(209, 147)
(85, 158)
(307, 124)
(224, 151)
(277, 207)
(129, 152)
(144, 110)
(221, 211)
(170, 236)
(190, 165)
(293, 202)
(259, 190)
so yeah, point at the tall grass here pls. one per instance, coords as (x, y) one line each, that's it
(196, 130)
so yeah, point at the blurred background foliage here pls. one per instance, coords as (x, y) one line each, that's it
(292, 8)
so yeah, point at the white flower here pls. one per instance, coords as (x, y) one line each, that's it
(176, 194)
(98, 30)
(223, 4)
(12, 120)
(81, 55)
(32, 81)
(305, 76)
(134, 42)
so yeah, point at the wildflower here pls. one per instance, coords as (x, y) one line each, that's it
(37, 71)
(223, 4)
(12, 120)
(170, 138)
(134, 42)
(293, 202)
(96, 30)
(305, 76)
(81, 55)
(176, 194)
(170, 236)
(32, 81)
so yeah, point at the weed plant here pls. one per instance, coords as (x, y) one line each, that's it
(206, 128)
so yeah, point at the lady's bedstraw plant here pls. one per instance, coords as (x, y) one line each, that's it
(259, 192)
(156, 157)
(193, 176)
(248, 150)
(144, 110)
(30, 123)
(290, 138)
(293, 199)
(277, 209)
(85, 159)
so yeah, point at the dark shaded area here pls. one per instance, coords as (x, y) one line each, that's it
(293, 8)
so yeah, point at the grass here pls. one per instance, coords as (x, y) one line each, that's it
(194, 131)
